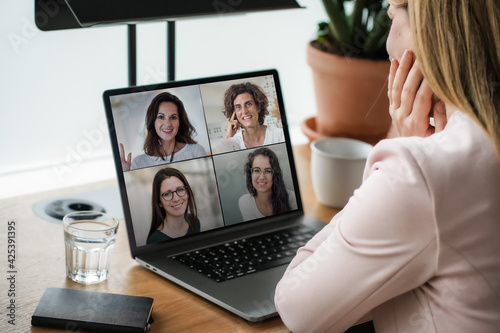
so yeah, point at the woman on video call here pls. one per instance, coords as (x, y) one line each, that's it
(418, 243)
(174, 208)
(245, 107)
(169, 135)
(267, 192)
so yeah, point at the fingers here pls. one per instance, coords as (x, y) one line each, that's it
(234, 121)
(122, 152)
(411, 90)
(232, 126)
(126, 161)
(411, 99)
(392, 74)
(401, 73)
(422, 104)
(440, 119)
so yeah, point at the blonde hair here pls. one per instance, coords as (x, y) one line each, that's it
(458, 49)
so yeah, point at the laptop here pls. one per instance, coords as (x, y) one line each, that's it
(208, 185)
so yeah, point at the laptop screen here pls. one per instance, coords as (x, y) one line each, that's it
(200, 155)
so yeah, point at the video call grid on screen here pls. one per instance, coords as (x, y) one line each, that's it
(217, 178)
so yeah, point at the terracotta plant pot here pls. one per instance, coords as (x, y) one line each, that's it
(351, 96)
(308, 127)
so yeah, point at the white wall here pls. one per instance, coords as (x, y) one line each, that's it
(52, 127)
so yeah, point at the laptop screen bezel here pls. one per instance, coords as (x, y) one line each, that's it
(216, 235)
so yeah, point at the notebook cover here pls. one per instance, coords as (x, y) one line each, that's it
(89, 311)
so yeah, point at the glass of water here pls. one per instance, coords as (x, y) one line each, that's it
(89, 237)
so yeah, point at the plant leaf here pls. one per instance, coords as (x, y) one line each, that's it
(339, 26)
(378, 35)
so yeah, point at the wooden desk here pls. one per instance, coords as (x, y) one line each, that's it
(40, 263)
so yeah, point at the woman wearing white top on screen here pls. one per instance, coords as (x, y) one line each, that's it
(169, 135)
(267, 192)
(245, 106)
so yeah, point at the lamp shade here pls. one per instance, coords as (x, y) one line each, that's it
(71, 14)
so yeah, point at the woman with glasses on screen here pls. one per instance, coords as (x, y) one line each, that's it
(169, 135)
(267, 192)
(174, 208)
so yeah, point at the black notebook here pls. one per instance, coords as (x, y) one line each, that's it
(77, 310)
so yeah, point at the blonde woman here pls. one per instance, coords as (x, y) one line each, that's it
(417, 244)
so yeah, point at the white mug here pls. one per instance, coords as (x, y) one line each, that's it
(337, 166)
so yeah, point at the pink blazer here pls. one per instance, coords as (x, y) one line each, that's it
(418, 244)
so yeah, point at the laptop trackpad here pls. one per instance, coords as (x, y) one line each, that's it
(252, 295)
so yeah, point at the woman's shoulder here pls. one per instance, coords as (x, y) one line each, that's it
(441, 160)
(194, 146)
(274, 130)
(224, 145)
(461, 139)
(274, 134)
(246, 196)
(141, 157)
(245, 199)
(397, 157)
(193, 150)
(142, 160)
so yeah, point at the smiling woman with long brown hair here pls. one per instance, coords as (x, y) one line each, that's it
(267, 193)
(169, 135)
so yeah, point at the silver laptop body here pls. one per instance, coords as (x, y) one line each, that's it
(217, 180)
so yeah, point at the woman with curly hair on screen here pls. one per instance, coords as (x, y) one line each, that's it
(245, 107)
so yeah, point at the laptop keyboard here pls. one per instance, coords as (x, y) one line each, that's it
(246, 256)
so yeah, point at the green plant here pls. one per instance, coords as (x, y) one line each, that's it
(357, 28)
